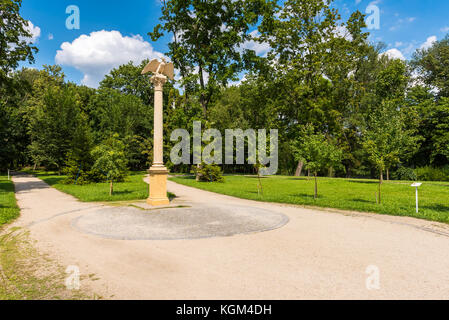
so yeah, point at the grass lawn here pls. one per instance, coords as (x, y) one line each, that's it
(27, 274)
(8, 207)
(134, 188)
(345, 194)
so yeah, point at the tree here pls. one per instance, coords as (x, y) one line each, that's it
(114, 112)
(317, 152)
(128, 80)
(313, 62)
(53, 119)
(14, 39)
(207, 41)
(432, 66)
(386, 140)
(15, 47)
(110, 158)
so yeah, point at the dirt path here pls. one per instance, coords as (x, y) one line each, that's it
(317, 255)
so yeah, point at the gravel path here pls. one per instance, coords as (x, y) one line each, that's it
(316, 255)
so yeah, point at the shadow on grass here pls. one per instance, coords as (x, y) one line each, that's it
(437, 207)
(185, 177)
(362, 201)
(362, 181)
(52, 181)
(307, 196)
(300, 179)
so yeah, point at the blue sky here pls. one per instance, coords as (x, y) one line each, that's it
(114, 32)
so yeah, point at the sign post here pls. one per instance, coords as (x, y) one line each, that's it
(416, 185)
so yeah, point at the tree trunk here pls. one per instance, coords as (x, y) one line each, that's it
(35, 165)
(331, 172)
(111, 188)
(388, 174)
(381, 177)
(308, 174)
(380, 186)
(299, 169)
(316, 185)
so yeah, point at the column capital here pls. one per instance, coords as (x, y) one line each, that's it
(158, 80)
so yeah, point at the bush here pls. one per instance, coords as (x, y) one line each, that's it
(404, 173)
(209, 173)
(432, 174)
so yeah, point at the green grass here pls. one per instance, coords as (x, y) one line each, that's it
(345, 194)
(8, 206)
(26, 274)
(134, 188)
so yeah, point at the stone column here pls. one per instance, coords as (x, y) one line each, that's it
(158, 172)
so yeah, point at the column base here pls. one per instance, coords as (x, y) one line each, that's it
(158, 187)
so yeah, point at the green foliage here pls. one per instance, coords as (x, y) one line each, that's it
(209, 173)
(110, 158)
(405, 173)
(14, 39)
(207, 35)
(54, 118)
(386, 140)
(316, 151)
(432, 174)
(432, 66)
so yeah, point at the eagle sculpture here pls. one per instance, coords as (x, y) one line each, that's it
(163, 67)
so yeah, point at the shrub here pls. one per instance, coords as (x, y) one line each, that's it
(432, 174)
(209, 173)
(404, 173)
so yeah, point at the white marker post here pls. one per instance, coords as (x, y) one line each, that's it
(416, 185)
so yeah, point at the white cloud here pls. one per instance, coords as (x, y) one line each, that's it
(259, 48)
(96, 54)
(429, 42)
(394, 54)
(35, 32)
(445, 29)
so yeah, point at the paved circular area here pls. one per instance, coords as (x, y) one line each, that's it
(126, 223)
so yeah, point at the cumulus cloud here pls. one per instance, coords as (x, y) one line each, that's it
(260, 48)
(35, 32)
(429, 42)
(96, 54)
(394, 54)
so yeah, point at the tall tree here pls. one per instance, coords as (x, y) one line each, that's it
(432, 66)
(207, 41)
(386, 140)
(14, 39)
(311, 57)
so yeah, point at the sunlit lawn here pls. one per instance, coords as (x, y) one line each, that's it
(8, 207)
(134, 188)
(346, 194)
